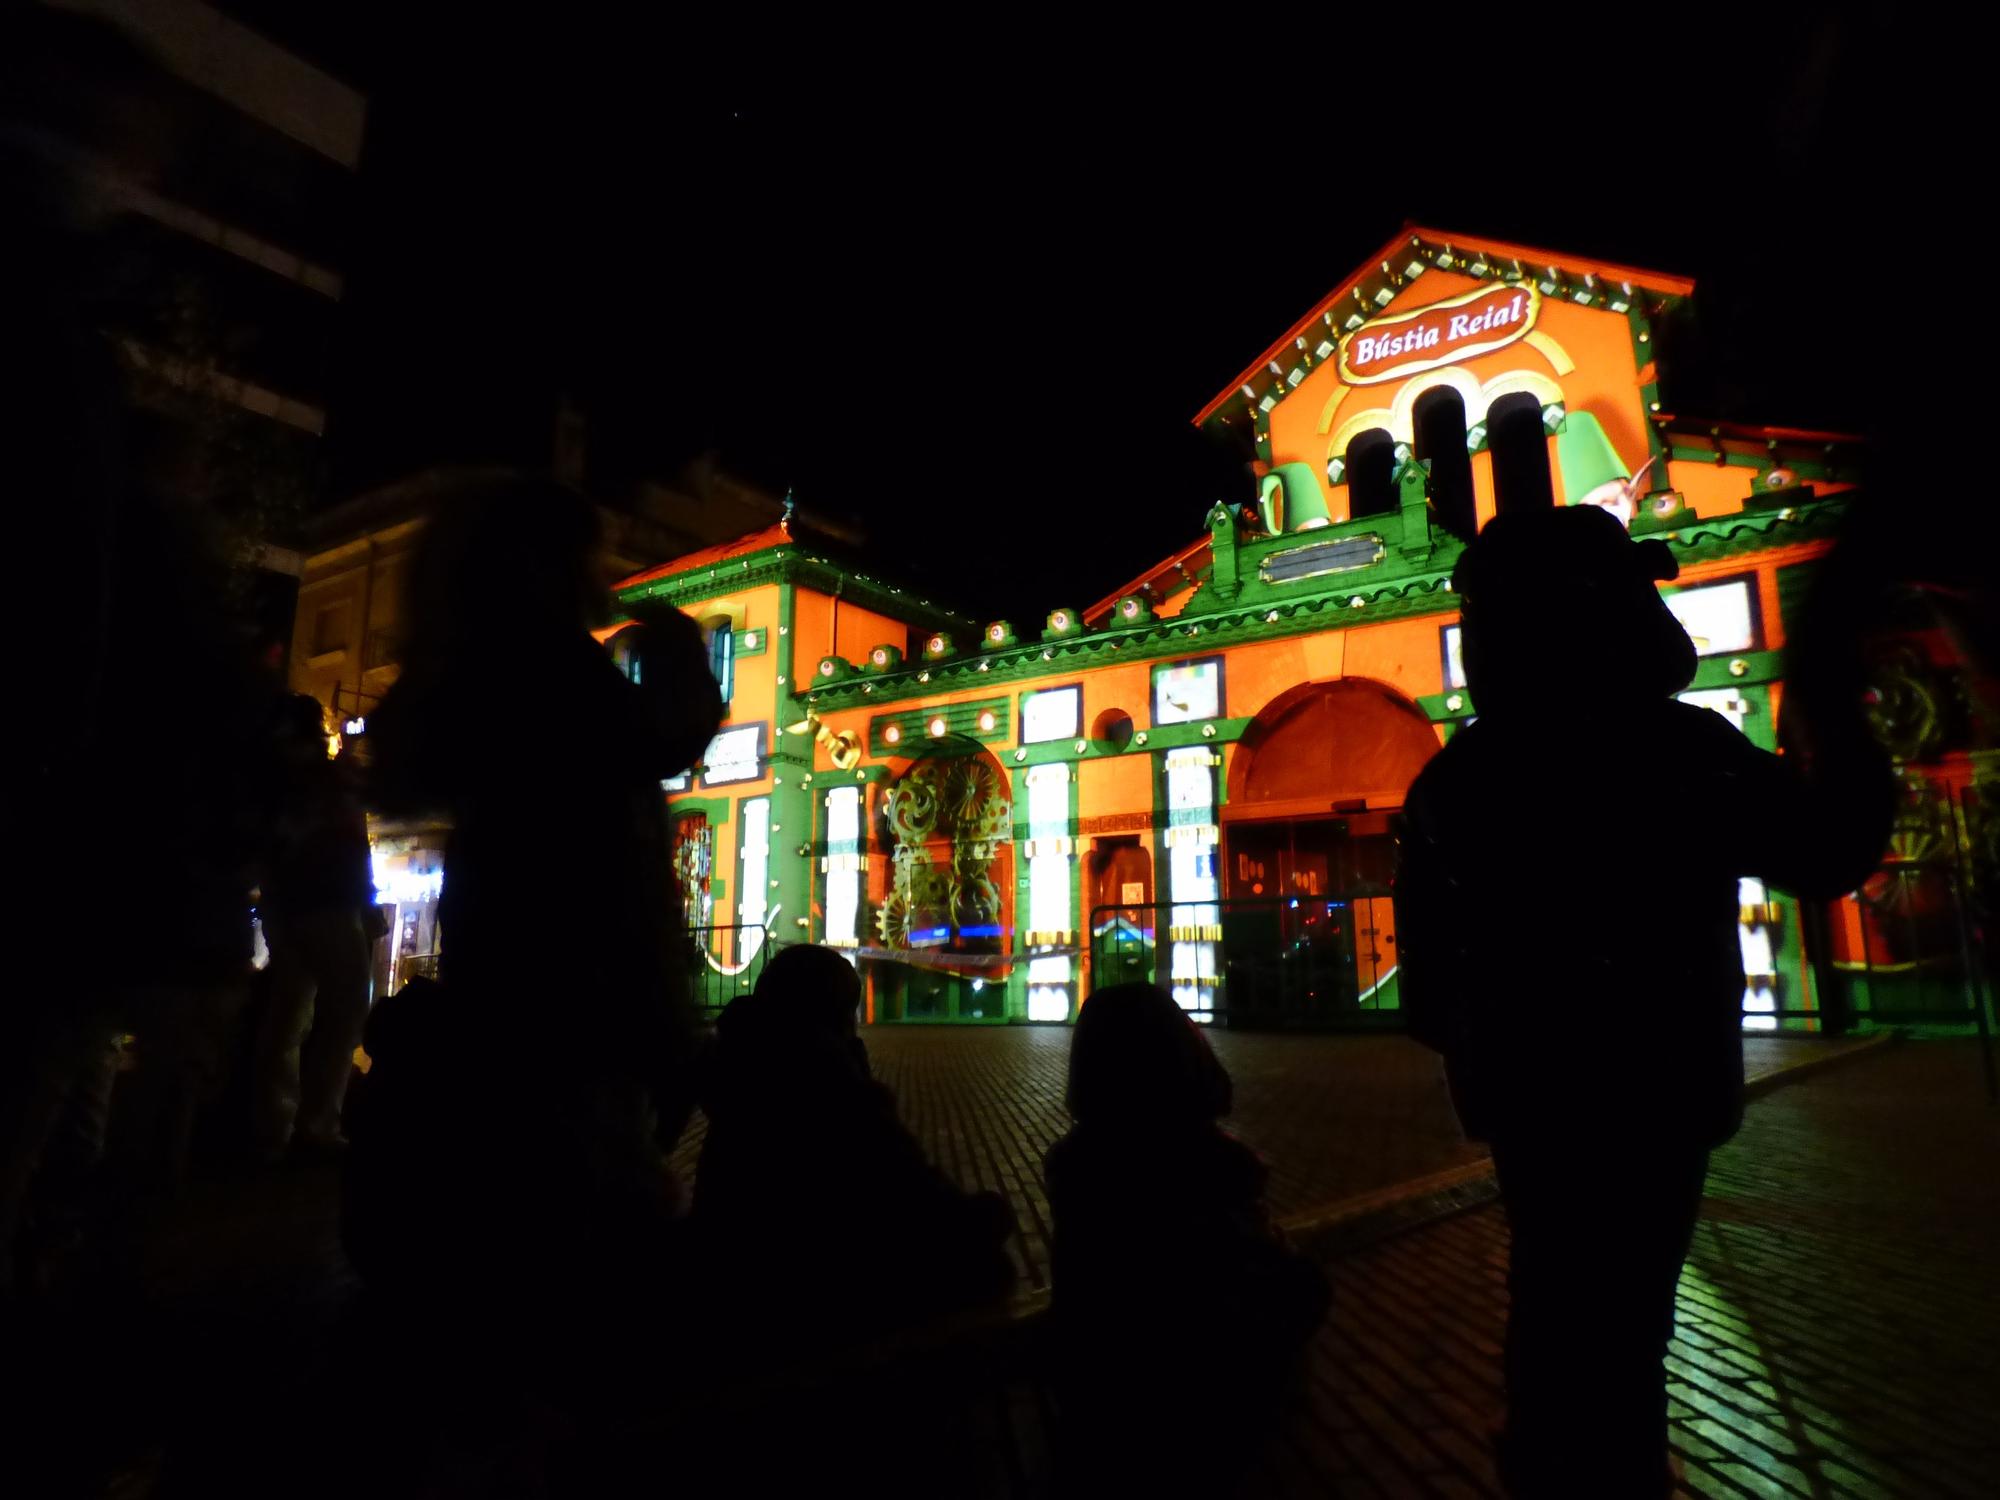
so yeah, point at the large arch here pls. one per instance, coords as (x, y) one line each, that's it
(1320, 746)
(1308, 851)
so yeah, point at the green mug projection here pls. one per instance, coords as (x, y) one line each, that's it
(1289, 499)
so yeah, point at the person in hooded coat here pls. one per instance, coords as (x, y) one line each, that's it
(1567, 907)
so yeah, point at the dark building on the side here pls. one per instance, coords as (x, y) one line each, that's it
(221, 167)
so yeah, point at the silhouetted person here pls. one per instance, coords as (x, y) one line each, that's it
(554, 1057)
(1179, 1310)
(815, 1207)
(1567, 908)
(122, 781)
(320, 922)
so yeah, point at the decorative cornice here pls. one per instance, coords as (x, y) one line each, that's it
(791, 564)
(1348, 603)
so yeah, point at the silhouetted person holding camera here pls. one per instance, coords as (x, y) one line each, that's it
(816, 1208)
(509, 1145)
(1569, 945)
(1179, 1310)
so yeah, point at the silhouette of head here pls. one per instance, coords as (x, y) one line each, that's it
(807, 987)
(497, 546)
(301, 727)
(1567, 585)
(1135, 1059)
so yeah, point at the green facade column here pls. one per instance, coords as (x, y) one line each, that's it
(1017, 974)
(792, 821)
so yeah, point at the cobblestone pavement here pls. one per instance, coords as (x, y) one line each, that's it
(1839, 1316)
(1856, 1226)
(1333, 1116)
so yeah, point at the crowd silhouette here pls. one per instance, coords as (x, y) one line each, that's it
(529, 1257)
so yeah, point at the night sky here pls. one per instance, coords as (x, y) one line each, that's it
(971, 302)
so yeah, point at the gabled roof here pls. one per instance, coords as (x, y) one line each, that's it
(787, 551)
(1413, 251)
(776, 535)
(1184, 569)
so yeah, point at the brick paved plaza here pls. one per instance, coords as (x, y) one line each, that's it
(1839, 1317)
(1840, 1324)
(1334, 1117)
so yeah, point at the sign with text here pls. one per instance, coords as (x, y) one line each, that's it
(734, 755)
(1440, 334)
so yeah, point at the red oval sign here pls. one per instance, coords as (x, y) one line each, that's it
(1440, 334)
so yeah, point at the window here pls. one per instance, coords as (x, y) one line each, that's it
(1754, 936)
(722, 657)
(1051, 876)
(1760, 965)
(1450, 644)
(755, 859)
(329, 631)
(1195, 919)
(1187, 691)
(1051, 714)
(1719, 617)
(734, 755)
(843, 863)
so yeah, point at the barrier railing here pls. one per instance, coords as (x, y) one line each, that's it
(1305, 963)
(728, 960)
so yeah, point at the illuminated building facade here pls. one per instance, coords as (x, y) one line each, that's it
(1195, 778)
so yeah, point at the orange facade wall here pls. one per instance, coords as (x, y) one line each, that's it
(823, 625)
(1584, 354)
(756, 676)
(1710, 489)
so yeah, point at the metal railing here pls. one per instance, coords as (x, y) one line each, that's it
(1305, 963)
(728, 959)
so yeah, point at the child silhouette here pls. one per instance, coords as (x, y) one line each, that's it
(819, 1209)
(1170, 1277)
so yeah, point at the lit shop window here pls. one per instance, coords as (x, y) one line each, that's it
(844, 863)
(1718, 617)
(1051, 714)
(755, 856)
(403, 880)
(1187, 691)
(1194, 924)
(1051, 872)
(734, 755)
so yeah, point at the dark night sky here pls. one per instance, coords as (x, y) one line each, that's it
(974, 301)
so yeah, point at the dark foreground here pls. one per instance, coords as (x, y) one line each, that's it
(1840, 1320)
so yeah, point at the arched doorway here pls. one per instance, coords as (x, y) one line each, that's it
(1308, 851)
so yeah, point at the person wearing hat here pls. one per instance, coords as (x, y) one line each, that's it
(1567, 910)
